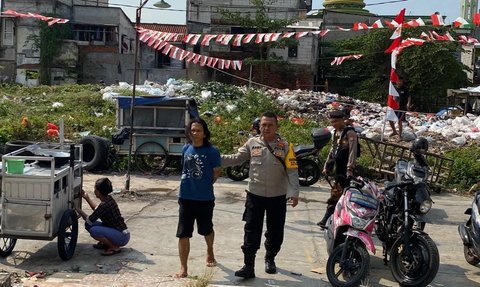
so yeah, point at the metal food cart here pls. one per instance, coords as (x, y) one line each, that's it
(38, 200)
(159, 128)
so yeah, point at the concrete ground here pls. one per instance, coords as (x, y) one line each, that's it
(151, 257)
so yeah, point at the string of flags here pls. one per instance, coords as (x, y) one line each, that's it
(50, 20)
(159, 42)
(339, 60)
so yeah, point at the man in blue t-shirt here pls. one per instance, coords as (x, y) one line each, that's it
(200, 169)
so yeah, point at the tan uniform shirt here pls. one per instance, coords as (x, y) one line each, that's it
(268, 177)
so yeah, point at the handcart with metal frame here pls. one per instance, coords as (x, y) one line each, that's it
(38, 202)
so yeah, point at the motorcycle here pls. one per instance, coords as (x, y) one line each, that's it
(470, 232)
(400, 223)
(349, 234)
(307, 159)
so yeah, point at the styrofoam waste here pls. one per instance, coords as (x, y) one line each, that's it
(459, 140)
(57, 105)
(205, 94)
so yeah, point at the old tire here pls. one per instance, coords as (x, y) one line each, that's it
(12, 146)
(308, 172)
(354, 267)
(67, 235)
(95, 152)
(418, 268)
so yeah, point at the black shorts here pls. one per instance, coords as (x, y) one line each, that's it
(400, 116)
(191, 210)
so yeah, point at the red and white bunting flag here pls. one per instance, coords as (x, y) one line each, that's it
(397, 33)
(267, 37)
(437, 19)
(158, 44)
(275, 37)
(210, 60)
(472, 40)
(221, 64)
(299, 35)
(14, 13)
(196, 58)
(220, 38)
(237, 65)
(359, 26)
(335, 60)
(54, 21)
(195, 39)
(206, 39)
(173, 53)
(145, 37)
(203, 60)
(426, 36)
(459, 22)
(185, 55)
(170, 36)
(420, 22)
(152, 39)
(215, 61)
(238, 40)
(226, 39)
(227, 64)
(392, 24)
(377, 24)
(190, 58)
(288, 34)
(162, 45)
(407, 43)
(167, 49)
(446, 37)
(248, 38)
(188, 38)
(259, 38)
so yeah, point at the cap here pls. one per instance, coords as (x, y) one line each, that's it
(336, 115)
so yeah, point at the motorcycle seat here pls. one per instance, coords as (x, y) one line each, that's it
(299, 149)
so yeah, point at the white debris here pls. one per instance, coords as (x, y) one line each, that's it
(57, 105)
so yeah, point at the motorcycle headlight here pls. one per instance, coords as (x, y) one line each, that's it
(425, 206)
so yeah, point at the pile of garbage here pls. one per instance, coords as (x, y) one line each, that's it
(369, 118)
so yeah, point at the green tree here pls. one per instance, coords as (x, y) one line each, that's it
(49, 42)
(430, 69)
(261, 22)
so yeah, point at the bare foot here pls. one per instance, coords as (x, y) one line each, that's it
(181, 274)
(211, 262)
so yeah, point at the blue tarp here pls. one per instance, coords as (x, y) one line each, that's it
(124, 102)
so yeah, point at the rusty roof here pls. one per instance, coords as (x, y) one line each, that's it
(169, 28)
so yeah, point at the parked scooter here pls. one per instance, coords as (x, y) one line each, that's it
(470, 232)
(413, 255)
(349, 233)
(307, 156)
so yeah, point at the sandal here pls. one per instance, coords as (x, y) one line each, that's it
(99, 245)
(111, 252)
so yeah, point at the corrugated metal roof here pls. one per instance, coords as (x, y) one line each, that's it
(169, 28)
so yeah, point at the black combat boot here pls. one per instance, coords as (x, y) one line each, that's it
(270, 266)
(248, 270)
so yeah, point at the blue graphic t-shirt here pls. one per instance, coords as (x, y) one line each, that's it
(197, 172)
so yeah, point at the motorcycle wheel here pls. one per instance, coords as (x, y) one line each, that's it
(238, 172)
(470, 255)
(419, 266)
(308, 172)
(354, 267)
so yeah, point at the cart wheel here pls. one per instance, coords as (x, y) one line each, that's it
(6, 245)
(67, 234)
(151, 156)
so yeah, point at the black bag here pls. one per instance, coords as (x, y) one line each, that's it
(119, 137)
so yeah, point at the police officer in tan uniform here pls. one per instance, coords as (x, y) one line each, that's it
(273, 184)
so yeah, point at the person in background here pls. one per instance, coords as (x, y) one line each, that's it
(111, 232)
(405, 102)
(273, 183)
(196, 200)
(341, 158)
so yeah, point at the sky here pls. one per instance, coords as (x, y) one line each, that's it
(449, 8)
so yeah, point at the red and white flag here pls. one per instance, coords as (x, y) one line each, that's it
(459, 22)
(206, 39)
(275, 37)
(377, 24)
(437, 19)
(195, 39)
(237, 65)
(259, 38)
(248, 38)
(288, 34)
(299, 35)
(226, 39)
(238, 40)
